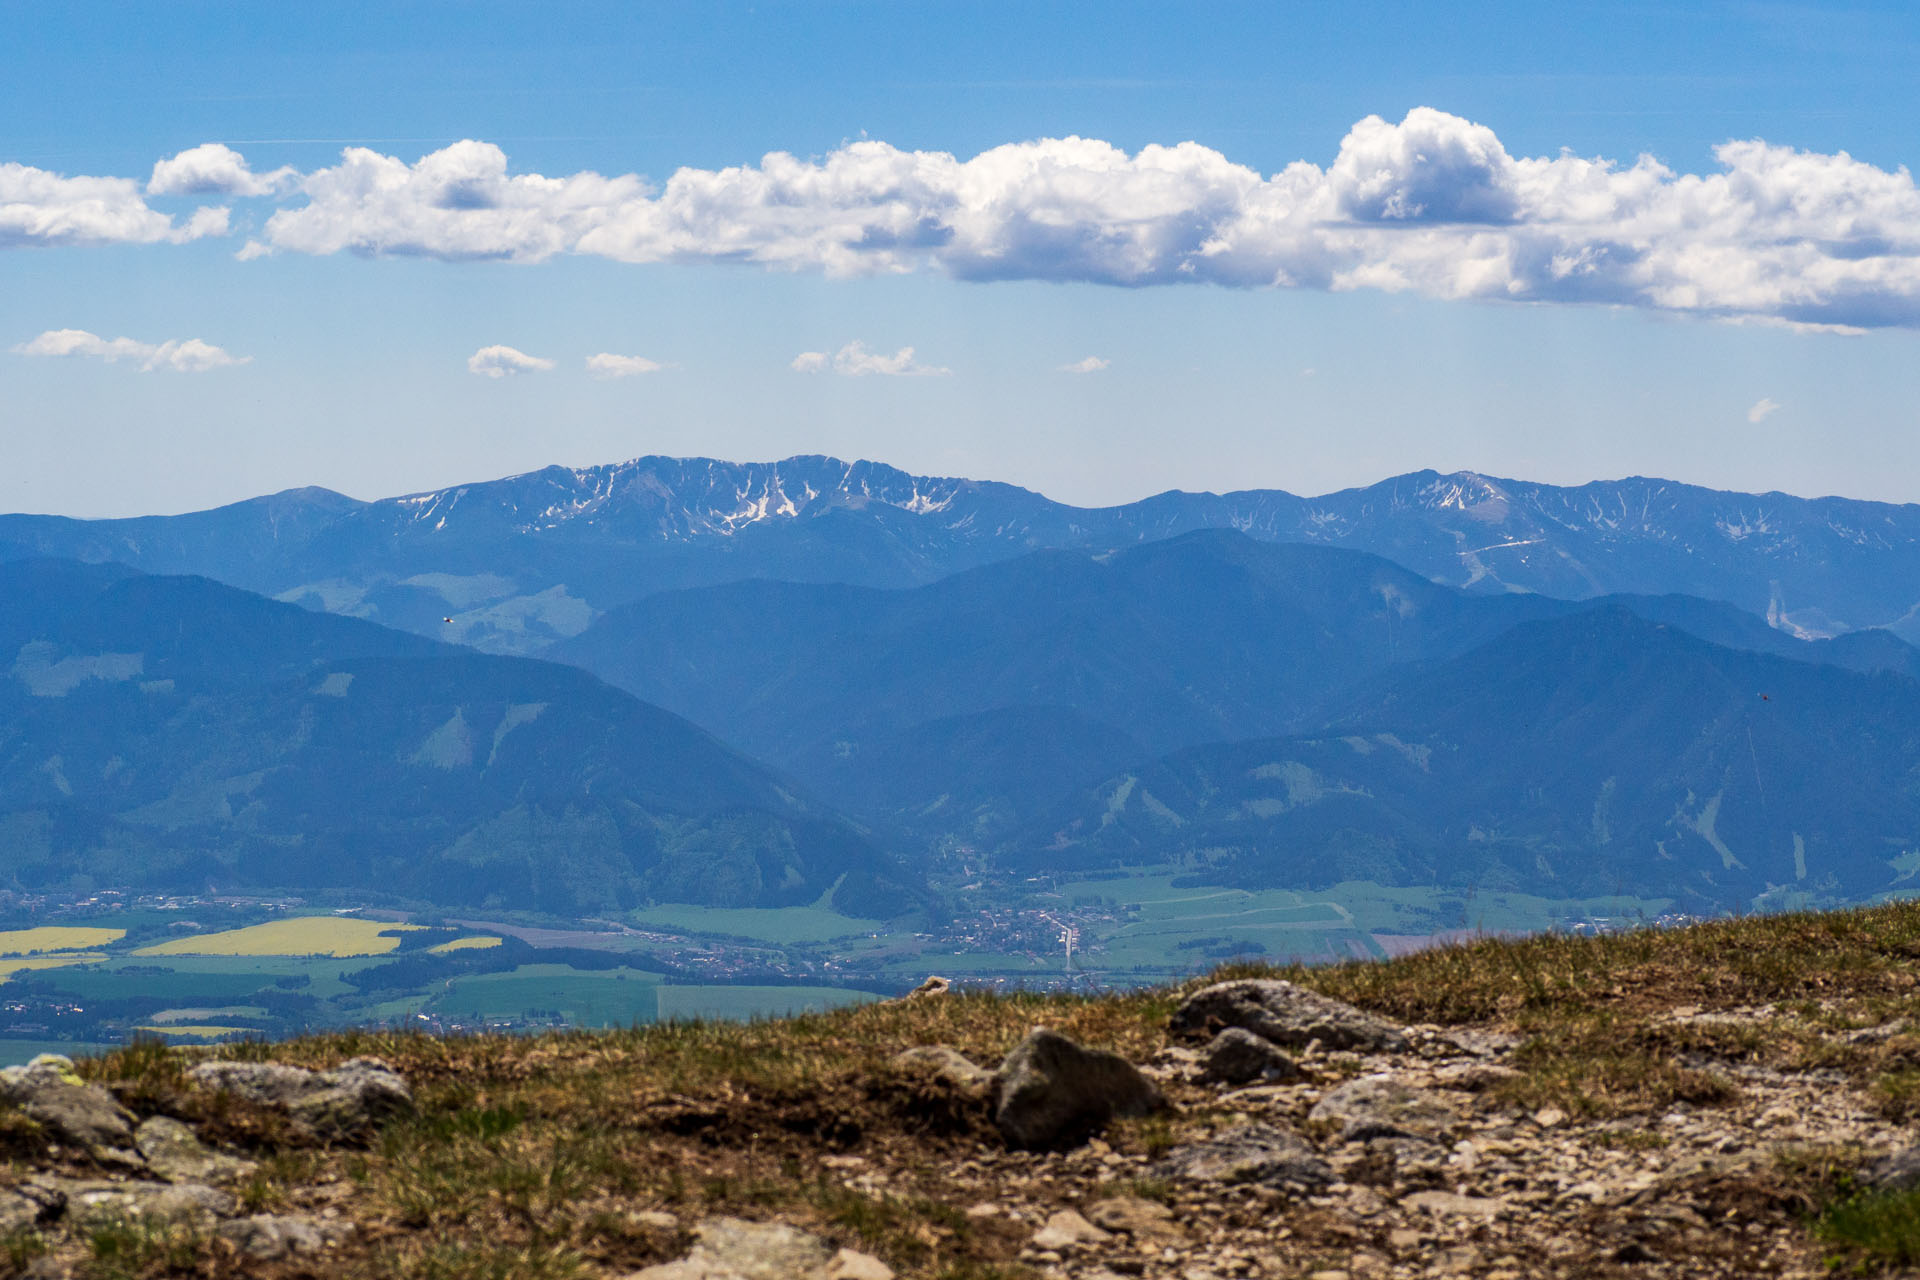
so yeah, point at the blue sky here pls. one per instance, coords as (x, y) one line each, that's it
(1441, 289)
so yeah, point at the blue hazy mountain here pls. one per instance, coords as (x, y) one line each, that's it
(951, 708)
(173, 732)
(1588, 754)
(514, 564)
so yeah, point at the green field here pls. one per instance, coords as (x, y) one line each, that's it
(690, 1002)
(587, 998)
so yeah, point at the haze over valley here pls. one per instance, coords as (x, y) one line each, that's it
(828, 723)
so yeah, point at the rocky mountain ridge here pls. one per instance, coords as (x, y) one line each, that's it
(513, 564)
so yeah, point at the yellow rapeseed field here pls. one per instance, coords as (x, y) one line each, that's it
(466, 944)
(10, 967)
(298, 936)
(19, 942)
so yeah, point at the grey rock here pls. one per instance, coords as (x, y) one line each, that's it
(334, 1105)
(1237, 1056)
(1285, 1014)
(1897, 1172)
(176, 1154)
(50, 1094)
(1447, 1204)
(1054, 1093)
(1133, 1216)
(1248, 1153)
(97, 1204)
(18, 1212)
(942, 1063)
(271, 1237)
(1066, 1229)
(1383, 1107)
(734, 1249)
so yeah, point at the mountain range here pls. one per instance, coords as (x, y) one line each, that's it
(812, 681)
(511, 565)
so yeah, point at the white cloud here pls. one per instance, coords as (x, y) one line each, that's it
(1092, 364)
(855, 361)
(213, 168)
(608, 365)
(188, 355)
(1433, 204)
(1763, 409)
(502, 362)
(42, 208)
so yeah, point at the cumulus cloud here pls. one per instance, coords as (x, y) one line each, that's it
(1763, 409)
(608, 365)
(855, 361)
(215, 169)
(503, 362)
(189, 355)
(1092, 364)
(42, 208)
(1432, 204)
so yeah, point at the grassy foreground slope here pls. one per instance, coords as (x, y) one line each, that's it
(1701, 1097)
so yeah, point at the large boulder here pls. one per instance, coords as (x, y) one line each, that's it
(1285, 1014)
(1053, 1093)
(1237, 1056)
(1245, 1153)
(95, 1205)
(1383, 1106)
(173, 1152)
(335, 1105)
(49, 1093)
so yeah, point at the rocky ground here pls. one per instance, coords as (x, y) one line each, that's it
(1584, 1124)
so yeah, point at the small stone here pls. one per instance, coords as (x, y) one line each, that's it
(1066, 1229)
(1237, 1056)
(1133, 1216)
(942, 1063)
(271, 1237)
(1897, 1172)
(17, 1212)
(1446, 1204)
(1549, 1117)
(735, 1249)
(1054, 1093)
(851, 1264)
(933, 986)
